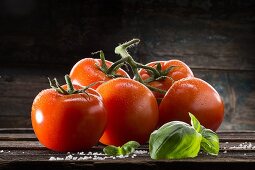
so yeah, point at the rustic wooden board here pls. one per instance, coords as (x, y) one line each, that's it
(202, 33)
(18, 151)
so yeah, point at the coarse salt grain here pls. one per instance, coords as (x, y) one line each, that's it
(69, 157)
(225, 151)
(140, 152)
(2, 151)
(59, 159)
(80, 159)
(52, 158)
(226, 142)
(244, 154)
(81, 153)
(98, 158)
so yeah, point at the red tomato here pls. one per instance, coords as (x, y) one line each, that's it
(86, 72)
(180, 71)
(192, 95)
(132, 111)
(68, 122)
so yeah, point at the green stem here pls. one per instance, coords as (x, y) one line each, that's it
(104, 67)
(70, 88)
(116, 64)
(122, 51)
(156, 89)
(156, 73)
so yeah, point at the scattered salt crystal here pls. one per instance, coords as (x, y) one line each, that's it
(2, 151)
(225, 151)
(81, 153)
(75, 158)
(80, 159)
(120, 156)
(244, 154)
(253, 147)
(225, 148)
(87, 157)
(69, 157)
(95, 153)
(98, 158)
(226, 142)
(89, 153)
(60, 159)
(52, 158)
(249, 145)
(140, 152)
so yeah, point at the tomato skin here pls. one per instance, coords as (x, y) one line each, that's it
(177, 73)
(196, 96)
(68, 122)
(86, 72)
(132, 111)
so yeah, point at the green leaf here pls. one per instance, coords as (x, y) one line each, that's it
(130, 147)
(166, 71)
(125, 149)
(112, 150)
(174, 140)
(210, 142)
(195, 123)
(159, 67)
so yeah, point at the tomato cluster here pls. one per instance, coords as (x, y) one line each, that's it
(102, 103)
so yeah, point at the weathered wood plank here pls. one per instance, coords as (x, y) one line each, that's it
(224, 136)
(17, 121)
(18, 137)
(204, 34)
(135, 165)
(33, 154)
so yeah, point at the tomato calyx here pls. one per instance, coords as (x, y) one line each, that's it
(108, 71)
(163, 74)
(126, 57)
(70, 87)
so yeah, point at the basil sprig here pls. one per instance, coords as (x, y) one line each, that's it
(125, 149)
(176, 140)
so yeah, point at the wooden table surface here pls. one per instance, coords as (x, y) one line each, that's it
(19, 148)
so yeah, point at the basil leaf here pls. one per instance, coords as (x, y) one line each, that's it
(125, 149)
(112, 150)
(210, 142)
(174, 140)
(195, 123)
(130, 147)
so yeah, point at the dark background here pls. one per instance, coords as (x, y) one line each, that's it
(41, 38)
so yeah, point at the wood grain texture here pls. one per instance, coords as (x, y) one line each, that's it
(29, 153)
(45, 38)
(202, 33)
